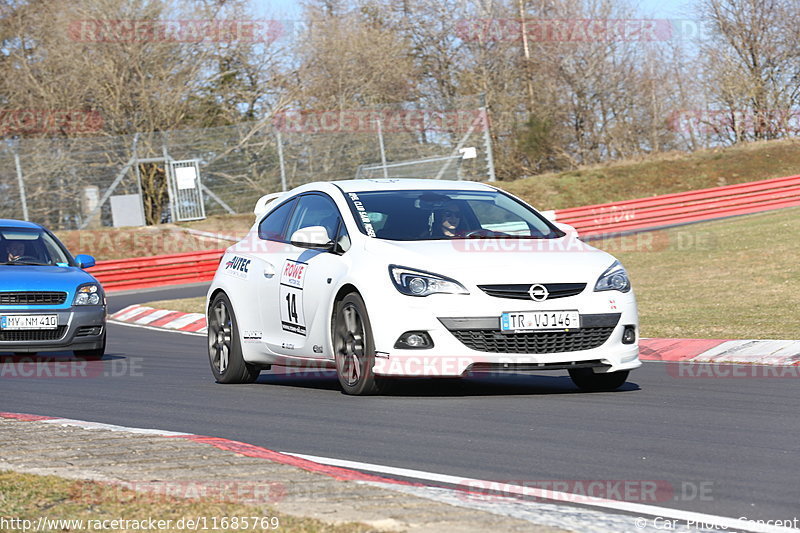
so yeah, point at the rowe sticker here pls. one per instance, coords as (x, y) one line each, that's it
(290, 299)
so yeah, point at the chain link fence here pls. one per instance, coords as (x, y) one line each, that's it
(71, 183)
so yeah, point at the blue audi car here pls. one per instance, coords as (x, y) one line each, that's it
(47, 302)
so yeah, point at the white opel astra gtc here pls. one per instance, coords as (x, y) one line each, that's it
(417, 278)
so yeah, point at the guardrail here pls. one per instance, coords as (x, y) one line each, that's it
(155, 271)
(682, 208)
(603, 219)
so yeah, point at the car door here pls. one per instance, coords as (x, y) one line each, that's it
(270, 253)
(308, 278)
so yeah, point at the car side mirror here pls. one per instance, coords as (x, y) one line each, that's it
(566, 228)
(85, 261)
(315, 237)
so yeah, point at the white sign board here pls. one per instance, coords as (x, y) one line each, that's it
(185, 177)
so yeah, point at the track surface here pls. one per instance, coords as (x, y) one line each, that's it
(737, 436)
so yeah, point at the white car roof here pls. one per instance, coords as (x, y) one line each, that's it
(399, 184)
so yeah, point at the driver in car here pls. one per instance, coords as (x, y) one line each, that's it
(447, 221)
(15, 250)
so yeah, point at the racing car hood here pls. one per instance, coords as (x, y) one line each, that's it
(479, 261)
(42, 278)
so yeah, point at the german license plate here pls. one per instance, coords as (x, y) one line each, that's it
(539, 320)
(29, 322)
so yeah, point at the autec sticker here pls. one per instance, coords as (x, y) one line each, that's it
(238, 267)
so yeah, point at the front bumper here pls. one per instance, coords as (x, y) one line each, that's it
(466, 336)
(79, 328)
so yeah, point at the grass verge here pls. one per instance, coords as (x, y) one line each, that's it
(659, 174)
(31, 497)
(736, 278)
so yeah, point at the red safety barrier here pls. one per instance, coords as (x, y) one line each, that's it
(683, 208)
(608, 219)
(156, 271)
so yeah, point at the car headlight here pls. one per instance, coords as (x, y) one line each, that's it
(420, 283)
(613, 279)
(89, 294)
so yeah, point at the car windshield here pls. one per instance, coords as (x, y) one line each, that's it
(30, 246)
(421, 215)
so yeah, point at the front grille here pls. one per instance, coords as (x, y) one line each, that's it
(519, 291)
(32, 298)
(32, 335)
(483, 340)
(89, 331)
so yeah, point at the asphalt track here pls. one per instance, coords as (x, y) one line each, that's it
(735, 439)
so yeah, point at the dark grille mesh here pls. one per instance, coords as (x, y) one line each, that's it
(32, 298)
(533, 342)
(520, 291)
(32, 334)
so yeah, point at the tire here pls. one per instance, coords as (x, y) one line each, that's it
(354, 348)
(97, 353)
(224, 347)
(587, 380)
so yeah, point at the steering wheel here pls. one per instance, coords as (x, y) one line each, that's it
(485, 233)
(26, 259)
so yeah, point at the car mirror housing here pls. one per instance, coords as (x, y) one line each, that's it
(85, 261)
(315, 237)
(566, 228)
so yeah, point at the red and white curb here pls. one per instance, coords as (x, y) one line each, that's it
(142, 315)
(762, 352)
(599, 515)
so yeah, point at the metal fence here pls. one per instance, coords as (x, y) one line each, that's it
(70, 183)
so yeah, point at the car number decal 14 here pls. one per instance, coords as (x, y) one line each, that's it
(291, 296)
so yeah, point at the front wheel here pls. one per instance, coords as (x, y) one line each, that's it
(587, 380)
(224, 349)
(354, 348)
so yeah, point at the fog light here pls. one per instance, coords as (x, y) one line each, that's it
(414, 340)
(629, 335)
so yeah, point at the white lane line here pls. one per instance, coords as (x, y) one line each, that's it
(155, 328)
(712, 521)
(111, 427)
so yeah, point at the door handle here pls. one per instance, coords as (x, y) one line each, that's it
(269, 270)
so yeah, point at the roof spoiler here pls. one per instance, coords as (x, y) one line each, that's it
(261, 204)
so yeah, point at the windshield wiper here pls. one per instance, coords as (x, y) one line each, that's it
(24, 263)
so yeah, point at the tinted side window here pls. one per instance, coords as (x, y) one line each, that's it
(271, 228)
(315, 210)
